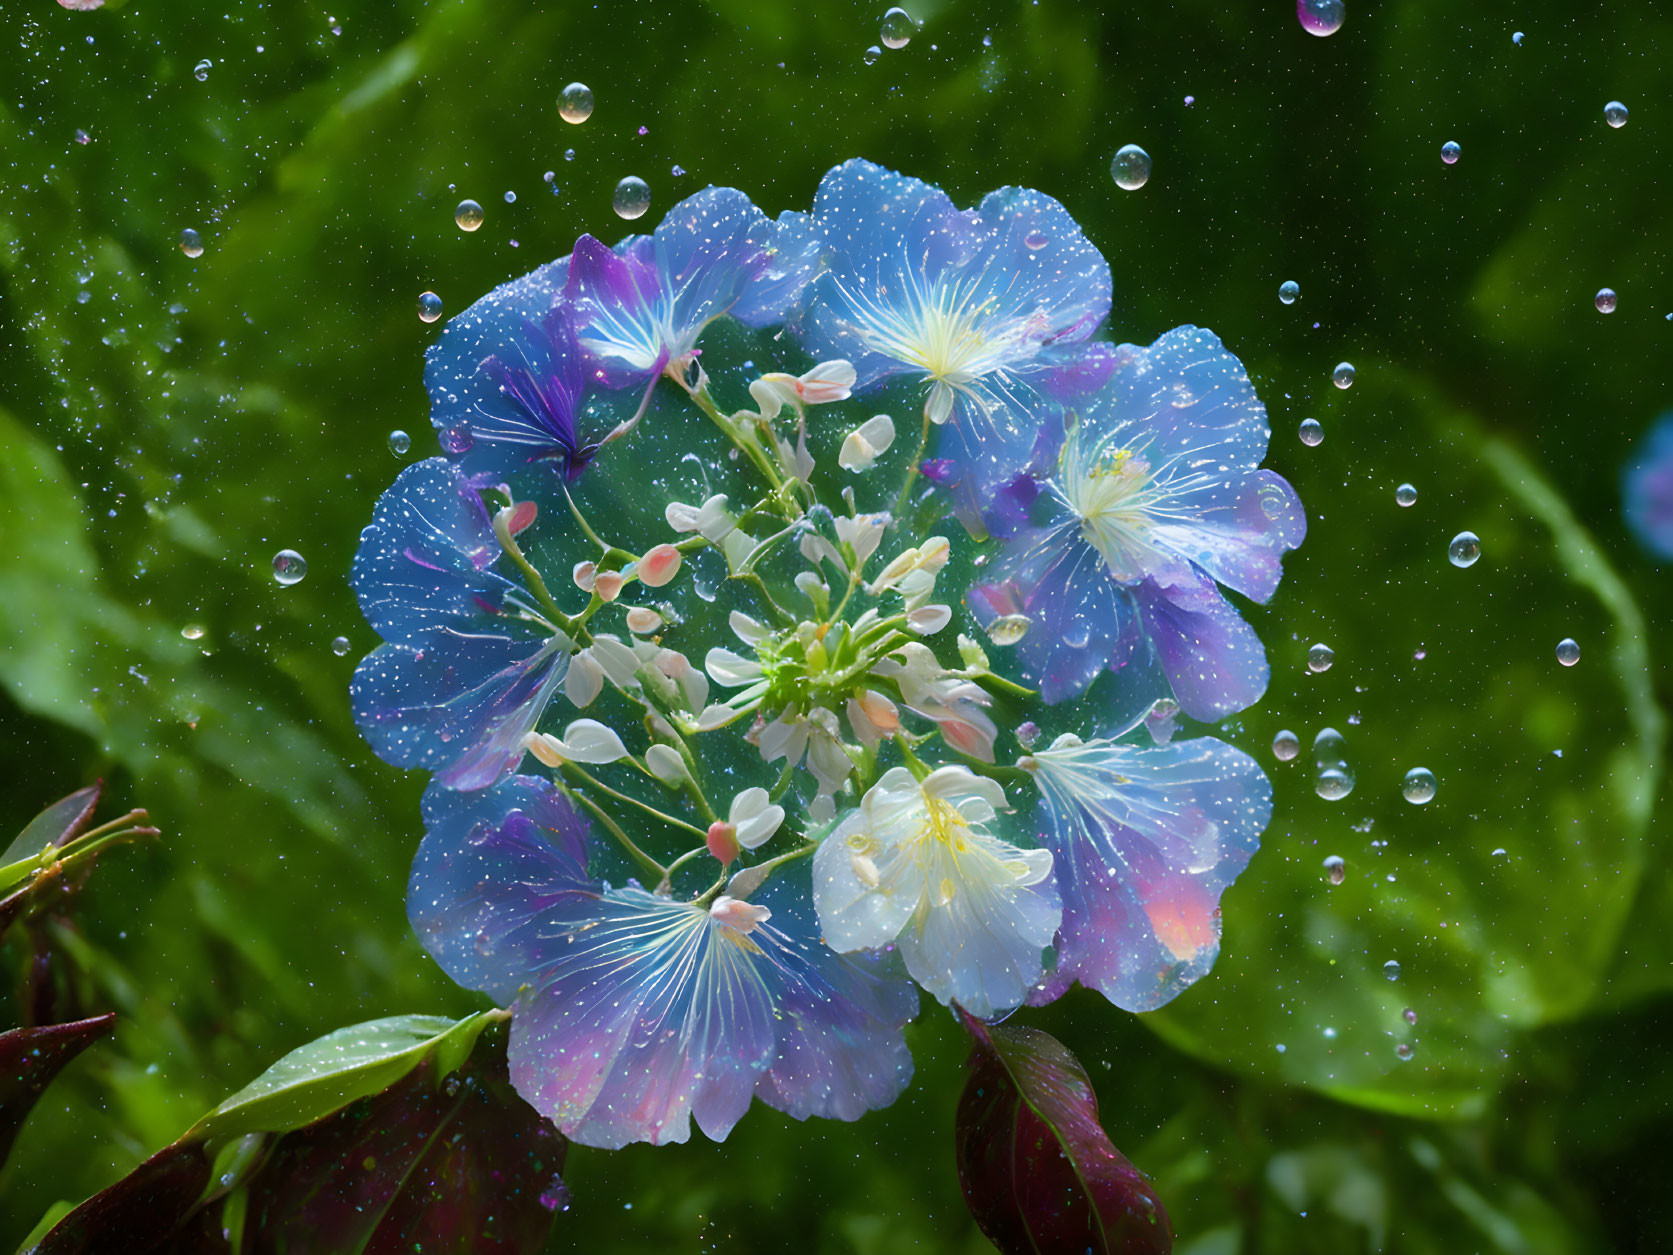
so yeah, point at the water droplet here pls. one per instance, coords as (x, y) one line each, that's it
(200, 71)
(1402, 1052)
(677, 171)
(1450, 152)
(1311, 432)
(1419, 786)
(569, 154)
(1333, 785)
(1285, 746)
(468, 215)
(1336, 868)
(456, 439)
(192, 631)
(429, 306)
(1391, 969)
(1615, 113)
(1605, 300)
(399, 443)
(1409, 1016)
(897, 29)
(1516, 38)
(1288, 291)
(1568, 651)
(340, 646)
(871, 54)
(511, 198)
(1027, 734)
(575, 104)
(191, 243)
(1036, 240)
(289, 567)
(1130, 168)
(1008, 629)
(632, 198)
(1330, 748)
(1343, 375)
(1405, 495)
(1319, 658)
(1320, 17)
(1464, 549)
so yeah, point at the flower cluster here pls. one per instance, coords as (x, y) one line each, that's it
(731, 675)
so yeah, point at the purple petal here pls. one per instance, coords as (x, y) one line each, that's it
(1147, 839)
(1213, 659)
(1647, 490)
(527, 401)
(622, 313)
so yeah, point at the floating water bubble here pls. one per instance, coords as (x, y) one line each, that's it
(429, 306)
(871, 54)
(200, 71)
(1516, 38)
(1409, 1016)
(468, 215)
(632, 198)
(511, 198)
(1391, 969)
(575, 103)
(191, 243)
(340, 646)
(1311, 432)
(1343, 375)
(192, 631)
(897, 29)
(551, 176)
(1288, 291)
(1330, 748)
(1450, 152)
(1402, 1052)
(1405, 495)
(289, 567)
(569, 154)
(1464, 549)
(1320, 17)
(1615, 113)
(1285, 746)
(677, 172)
(1130, 168)
(1027, 734)
(1419, 786)
(399, 443)
(1568, 651)
(1336, 868)
(1333, 785)
(1605, 300)
(1319, 658)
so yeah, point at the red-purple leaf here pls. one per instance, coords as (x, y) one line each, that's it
(55, 825)
(1039, 1173)
(141, 1214)
(30, 1058)
(466, 1166)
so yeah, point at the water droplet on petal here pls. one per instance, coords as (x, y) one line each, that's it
(1391, 969)
(1450, 152)
(1036, 240)
(340, 646)
(1464, 549)
(457, 439)
(1419, 786)
(1311, 432)
(1130, 168)
(1568, 651)
(200, 71)
(632, 198)
(1285, 746)
(1615, 113)
(468, 215)
(1008, 629)
(192, 631)
(289, 567)
(1605, 300)
(1343, 375)
(1320, 17)
(1336, 868)
(1319, 658)
(1288, 291)
(897, 29)
(429, 306)
(191, 243)
(399, 443)
(575, 104)
(1405, 495)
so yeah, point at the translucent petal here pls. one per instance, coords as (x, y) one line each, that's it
(1213, 659)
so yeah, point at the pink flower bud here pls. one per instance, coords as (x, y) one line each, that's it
(608, 584)
(660, 564)
(518, 516)
(723, 840)
(584, 575)
(642, 620)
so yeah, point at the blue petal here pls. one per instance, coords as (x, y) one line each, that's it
(528, 404)
(1213, 659)
(795, 255)
(1647, 490)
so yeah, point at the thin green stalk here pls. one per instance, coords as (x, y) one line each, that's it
(594, 782)
(645, 860)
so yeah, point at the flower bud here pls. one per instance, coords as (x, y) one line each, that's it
(660, 564)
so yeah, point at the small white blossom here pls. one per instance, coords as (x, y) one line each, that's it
(665, 763)
(862, 533)
(584, 741)
(714, 521)
(682, 517)
(731, 669)
(861, 447)
(754, 817)
(930, 619)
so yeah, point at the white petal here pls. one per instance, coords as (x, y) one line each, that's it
(756, 831)
(643, 620)
(856, 454)
(584, 681)
(878, 431)
(714, 717)
(713, 520)
(749, 631)
(589, 741)
(665, 763)
(939, 407)
(681, 517)
(732, 670)
(928, 620)
(737, 546)
(619, 661)
(748, 804)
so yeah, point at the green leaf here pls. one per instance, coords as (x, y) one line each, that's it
(315, 1080)
(53, 826)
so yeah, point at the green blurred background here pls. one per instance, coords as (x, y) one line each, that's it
(168, 424)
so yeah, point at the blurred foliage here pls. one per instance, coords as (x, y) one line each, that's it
(167, 424)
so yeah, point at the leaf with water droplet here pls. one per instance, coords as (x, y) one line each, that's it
(1038, 1171)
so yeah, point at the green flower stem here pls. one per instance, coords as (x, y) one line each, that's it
(914, 764)
(735, 432)
(750, 577)
(54, 860)
(993, 680)
(595, 783)
(655, 868)
(912, 468)
(537, 585)
(581, 520)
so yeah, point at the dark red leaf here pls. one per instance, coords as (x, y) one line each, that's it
(30, 1058)
(1039, 1173)
(466, 1166)
(139, 1215)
